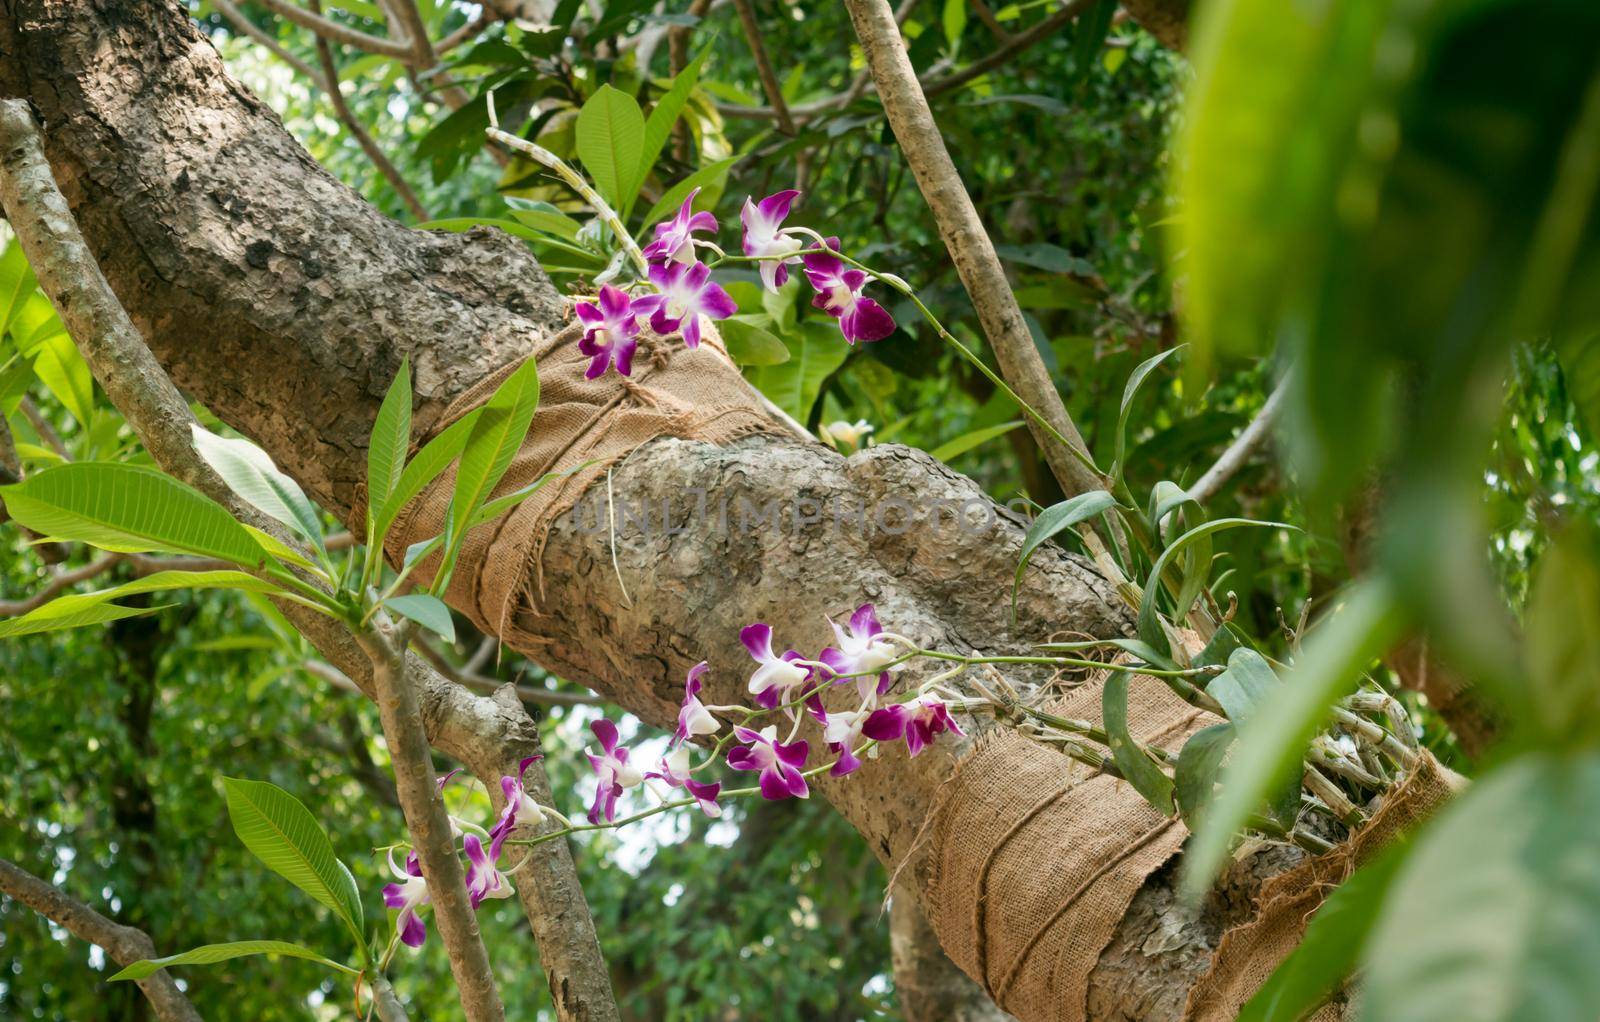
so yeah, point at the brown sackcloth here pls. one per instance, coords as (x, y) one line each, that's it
(1250, 951)
(1021, 910)
(674, 391)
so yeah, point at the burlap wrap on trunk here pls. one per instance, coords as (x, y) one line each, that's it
(1036, 856)
(1250, 951)
(673, 391)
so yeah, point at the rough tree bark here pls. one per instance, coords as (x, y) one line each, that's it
(277, 297)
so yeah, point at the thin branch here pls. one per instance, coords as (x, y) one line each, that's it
(964, 235)
(488, 686)
(341, 109)
(428, 823)
(410, 19)
(59, 580)
(468, 32)
(124, 944)
(240, 21)
(678, 37)
(41, 426)
(769, 77)
(1244, 445)
(1019, 42)
(339, 33)
(986, 15)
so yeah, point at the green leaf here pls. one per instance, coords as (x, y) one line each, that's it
(284, 835)
(1579, 355)
(962, 444)
(427, 611)
(16, 283)
(664, 115)
(250, 473)
(1091, 35)
(1139, 649)
(610, 140)
(1247, 682)
(435, 456)
(954, 21)
(495, 438)
(1493, 916)
(1129, 391)
(64, 373)
(1150, 629)
(1050, 523)
(1332, 943)
(391, 441)
(542, 216)
(817, 353)
(128, 509)
(1138, 769)
(1562, 636)
(751, 345)
(210, 954)
(500, 505)
(674, 196)
(1272, 742)
(69, 612)
(1195, 777)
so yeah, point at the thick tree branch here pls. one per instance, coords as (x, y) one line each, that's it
(124, 944)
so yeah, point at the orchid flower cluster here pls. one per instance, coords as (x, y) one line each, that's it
(685, 296)
(785, 685)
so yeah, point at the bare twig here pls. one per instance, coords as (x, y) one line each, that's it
(41, 426)
(339, 33)
(769, 77)
(677, 59)
(240, 21)
(970, 247)
(466, 33)
(487, 685)
(124, 944)
(341, 109)
(1243, 446)
(986, 15)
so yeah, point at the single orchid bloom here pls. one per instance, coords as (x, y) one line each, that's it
(407, 896)
(674, 241)
(918, 720)
(520, 811)
(612, 768)
(675, 767)
(777, 676)
(844, 435)
(687, 294)
(484, 880)
(765, 238)
(841, 729)
(779, 764)
(694, 719)
(860, 652)
(839, 295)
(610, 329)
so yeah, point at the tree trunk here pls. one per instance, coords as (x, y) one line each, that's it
(278, 298)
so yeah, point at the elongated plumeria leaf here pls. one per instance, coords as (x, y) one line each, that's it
(1195, 778)
(129, 509)
(250, 473)
(610, 141)
(284, 835)
(1138, 769)
(1504, 886)
(500, 505)
(1129, 392)
(1331, 946)
(658, 128)
(1273, 741)
(427, 611)
(210, 954)
(751, 344)
(501, 427)
(1167, 501)
(1051, 522)
(1245, 685)
(70, 612)
(391, 440)
(435, 456)
(16, 283)
(967, 441)
(1150, 629)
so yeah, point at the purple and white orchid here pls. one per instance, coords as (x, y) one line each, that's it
(765, 238)
(612, 769)
(484, 879)
(779, 764)
(674, 242)
(675, 770)
(861, 651)
(610, 333)
(694, 719)
(839, 295)
(919, 720)
(841, 729)
(410, 894)
(687, 294)
(521, 810)
(776, 676)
